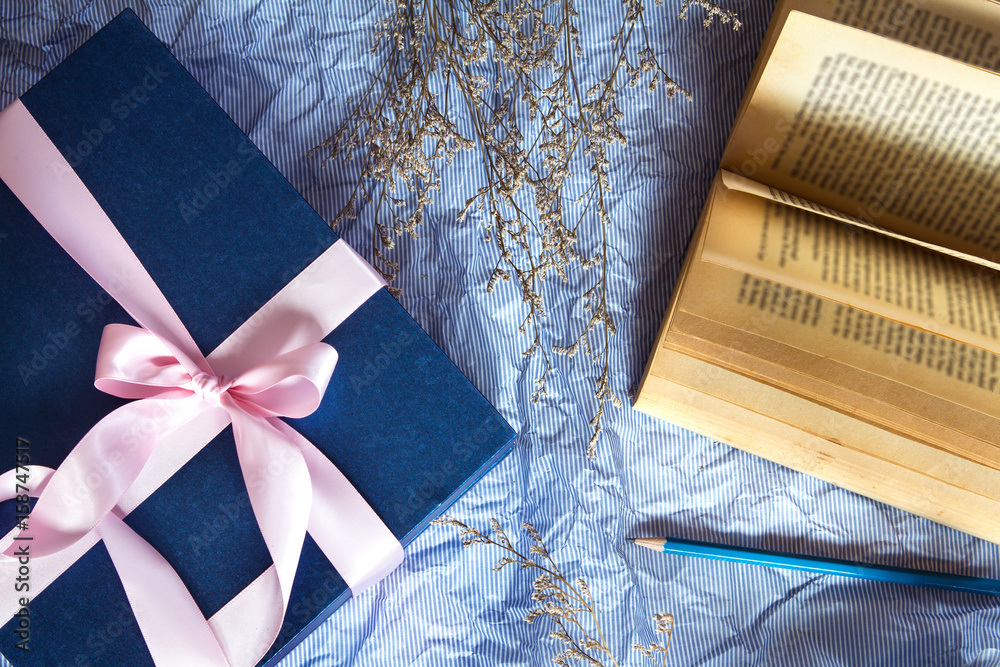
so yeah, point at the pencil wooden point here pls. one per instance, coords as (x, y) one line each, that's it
(654, 543)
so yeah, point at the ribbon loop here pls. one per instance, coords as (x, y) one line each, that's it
(135, 363)
(289, 385)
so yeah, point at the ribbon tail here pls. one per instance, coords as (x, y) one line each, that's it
(345, 527)
(102, 466)
(280, 491)
(175, 630)
(31, 480)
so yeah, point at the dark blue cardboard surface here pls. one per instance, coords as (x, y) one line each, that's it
(221, 231)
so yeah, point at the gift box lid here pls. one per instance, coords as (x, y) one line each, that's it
(220, 231)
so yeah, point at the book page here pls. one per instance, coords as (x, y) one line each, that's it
(958, 374)
(958, 381)
(847, 390)
(767, 422)
(968, 31)
(733, 181)
(893, 135)
(868, 270)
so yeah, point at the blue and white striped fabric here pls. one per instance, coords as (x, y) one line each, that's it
(283, 71)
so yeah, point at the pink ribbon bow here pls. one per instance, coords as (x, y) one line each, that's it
(135, 363)
(273, 365)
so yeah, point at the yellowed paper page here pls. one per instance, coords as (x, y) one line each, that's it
(867, 270)
(845, 389)
(734, 181)
(767, 422)
(885, 132)
(964, 30)
(957, 373)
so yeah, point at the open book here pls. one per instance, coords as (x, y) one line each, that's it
(839, 308)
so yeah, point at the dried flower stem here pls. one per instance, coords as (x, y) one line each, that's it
(559, 600)
(433, 55)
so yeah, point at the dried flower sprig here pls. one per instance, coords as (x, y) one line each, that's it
(533, 123)
(662, 624)
(567, 605)
(712, 12)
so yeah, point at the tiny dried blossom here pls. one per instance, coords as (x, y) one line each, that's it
(536, 137)
(568, 606)
(662, 624)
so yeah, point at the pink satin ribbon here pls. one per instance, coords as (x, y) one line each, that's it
(276, 367)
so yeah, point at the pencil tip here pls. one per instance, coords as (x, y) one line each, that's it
(630, 539)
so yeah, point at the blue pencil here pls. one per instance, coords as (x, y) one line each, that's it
(842, 568)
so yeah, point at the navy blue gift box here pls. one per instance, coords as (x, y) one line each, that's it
(220, 231)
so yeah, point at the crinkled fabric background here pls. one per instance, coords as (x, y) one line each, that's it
(283, 71)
